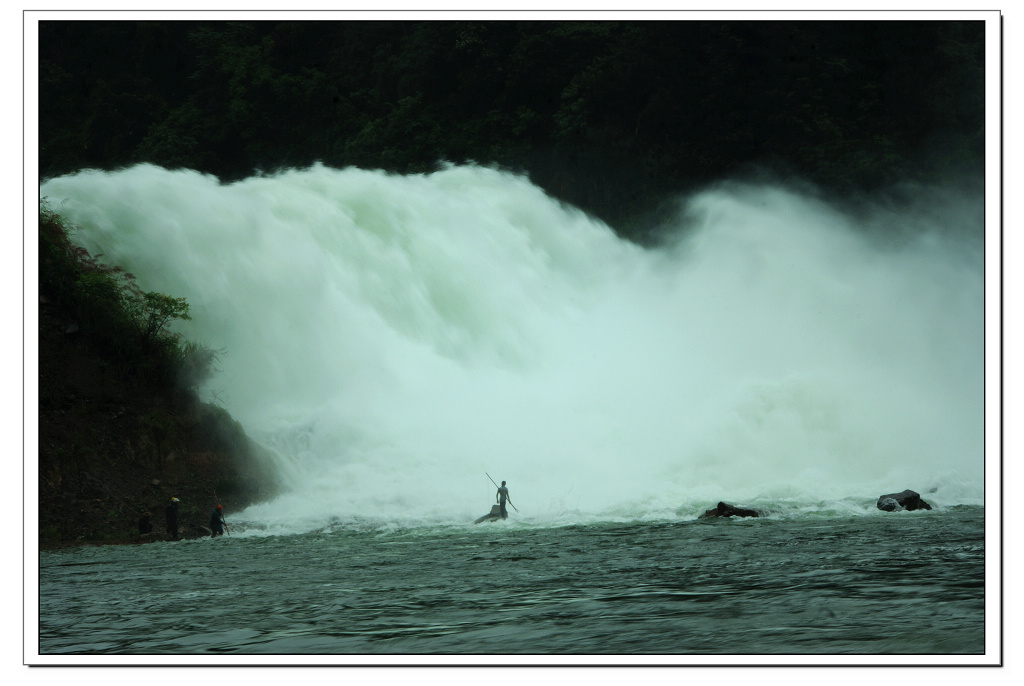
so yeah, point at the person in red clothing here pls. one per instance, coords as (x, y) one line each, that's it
(217, 523)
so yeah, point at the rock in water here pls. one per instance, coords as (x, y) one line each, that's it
(727, 510)
(907, 500)
(495, 513)
(888, 504)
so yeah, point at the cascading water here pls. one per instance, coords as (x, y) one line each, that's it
(393, 338)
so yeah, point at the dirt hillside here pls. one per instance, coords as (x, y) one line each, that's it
(112, 448)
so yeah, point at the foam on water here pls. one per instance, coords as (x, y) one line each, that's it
(393, 338)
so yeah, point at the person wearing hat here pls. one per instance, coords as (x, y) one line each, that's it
(217, 523)
(171, 511)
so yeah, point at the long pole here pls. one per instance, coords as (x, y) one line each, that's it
(509, 499)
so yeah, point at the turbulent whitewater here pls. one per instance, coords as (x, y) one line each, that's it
(392, 338)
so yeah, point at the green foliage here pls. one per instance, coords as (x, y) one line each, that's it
(159, 309)
(608, 115)
(198, 363)
(58, 257)
(110, 307)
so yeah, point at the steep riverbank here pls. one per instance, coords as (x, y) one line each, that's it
(121, 428)
(112, 448)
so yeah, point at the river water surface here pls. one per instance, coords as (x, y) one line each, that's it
(886, 584)
(394, 341)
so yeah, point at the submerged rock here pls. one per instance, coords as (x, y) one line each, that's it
(727, 510)
(907, 500)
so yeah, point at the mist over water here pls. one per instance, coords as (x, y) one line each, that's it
(393, 338)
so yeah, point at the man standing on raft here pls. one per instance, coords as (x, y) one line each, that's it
(502, 496)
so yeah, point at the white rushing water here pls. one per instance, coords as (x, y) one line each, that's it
(393, 338)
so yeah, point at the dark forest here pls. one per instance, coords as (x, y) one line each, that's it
(612, 117)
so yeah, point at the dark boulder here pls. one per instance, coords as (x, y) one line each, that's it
(897, 502)
(727, 510)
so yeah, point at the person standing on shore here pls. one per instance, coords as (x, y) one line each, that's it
(171, 512)
(145, 526)
(217, 523)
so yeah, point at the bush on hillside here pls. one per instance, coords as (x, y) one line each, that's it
(110, 307)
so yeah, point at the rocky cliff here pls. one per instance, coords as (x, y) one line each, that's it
(113, 447)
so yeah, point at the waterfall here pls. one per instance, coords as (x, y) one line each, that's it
(392, 338)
